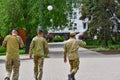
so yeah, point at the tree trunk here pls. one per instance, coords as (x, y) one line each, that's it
(28, 41)
(106, 36)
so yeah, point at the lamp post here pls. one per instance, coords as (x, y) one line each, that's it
(50, 8)
(41, 3)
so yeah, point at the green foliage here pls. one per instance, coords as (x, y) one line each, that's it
(90, 41)
(27, 14)
(97, 45)
(58, 38)
(99, 13)
(101, 49)
(21, 51)
(2, 50)
(114, 47)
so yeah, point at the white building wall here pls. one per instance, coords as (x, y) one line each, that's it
(80, 28)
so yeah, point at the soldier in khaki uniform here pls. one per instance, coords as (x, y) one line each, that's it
(12, 43)
(71, 50)
(38, 45)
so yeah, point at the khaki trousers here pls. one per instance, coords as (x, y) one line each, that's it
(38, 67)
(12, 65)
(74, 65)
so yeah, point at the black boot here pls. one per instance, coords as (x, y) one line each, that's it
(72, 76)
(69, 76)
(7, 78)
(36, 78)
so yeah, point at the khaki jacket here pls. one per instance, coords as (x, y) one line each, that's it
(71, 48)
(12, 44)
(38, 46)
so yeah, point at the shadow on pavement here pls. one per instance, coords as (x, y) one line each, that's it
(2, 61)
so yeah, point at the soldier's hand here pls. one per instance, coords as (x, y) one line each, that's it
(30, 56)
(65, 60)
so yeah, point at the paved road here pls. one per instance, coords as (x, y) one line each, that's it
(93, 66)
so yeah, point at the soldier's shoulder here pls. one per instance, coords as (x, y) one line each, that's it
(34, 38)
(67, 42)
(18, 36)
(8, 36)
(43, 38)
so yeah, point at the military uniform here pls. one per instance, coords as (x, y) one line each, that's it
(38, 44)
(12, 43)
(71, 50)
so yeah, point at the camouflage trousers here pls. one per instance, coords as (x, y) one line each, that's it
(38, 67)
(12, 65)
(74, 65)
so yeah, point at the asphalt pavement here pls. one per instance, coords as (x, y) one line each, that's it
(93, 65)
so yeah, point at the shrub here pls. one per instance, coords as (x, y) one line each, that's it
(49, 37)
(2, 50)
(91, 41)
(114, 47)
(58, 38)
(21, 51)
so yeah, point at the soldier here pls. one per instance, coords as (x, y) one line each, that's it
(71, 50)
(38, 45)
(12, 42)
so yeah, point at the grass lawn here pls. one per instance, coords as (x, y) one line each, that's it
(112, 49)
(20, 52)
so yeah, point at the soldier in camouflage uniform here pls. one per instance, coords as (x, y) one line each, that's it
(71, 50)
(12, 42)
(38, 45)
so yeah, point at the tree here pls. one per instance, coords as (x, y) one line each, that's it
(9, 15)
(26, 14)
(99, 13)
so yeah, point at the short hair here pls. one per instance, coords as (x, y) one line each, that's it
(39, 31)
(14, 30)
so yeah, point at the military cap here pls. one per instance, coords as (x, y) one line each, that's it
(72, 33)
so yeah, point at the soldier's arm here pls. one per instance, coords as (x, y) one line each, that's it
(46, 48)
(21, 42)
(65, 53)
(82, 43)
(5, 41)
(30, 49)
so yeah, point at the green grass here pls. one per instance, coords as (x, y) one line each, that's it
(2, 54)
(101, 48)
(2, 51)
(21, 51)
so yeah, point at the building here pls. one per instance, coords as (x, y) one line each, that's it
(75, 24)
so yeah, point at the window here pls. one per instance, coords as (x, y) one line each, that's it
(75, 15)
(74, 5)
(70, 15)
(84, 25)
(75, 24)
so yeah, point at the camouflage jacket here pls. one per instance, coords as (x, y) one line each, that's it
(71, 48)
(38, 46)
(12, 43)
